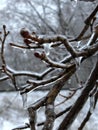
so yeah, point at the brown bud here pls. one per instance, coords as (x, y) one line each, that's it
(42, 55)
(37, 54)
(24, 33)
(27, 41)
(33, 33)
(4, 26)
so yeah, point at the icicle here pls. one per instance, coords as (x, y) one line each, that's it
(77, 62)
(90, 40)
(24, 99)
(47, 48)
(92, 102)
(79, 44)
(69, 81)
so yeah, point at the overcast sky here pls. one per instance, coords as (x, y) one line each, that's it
(2, 3)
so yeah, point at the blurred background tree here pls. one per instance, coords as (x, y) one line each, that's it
(44, 17)
(58, 20)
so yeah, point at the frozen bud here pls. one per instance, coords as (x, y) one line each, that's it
(27, 41)
(4, 26)
(37, 54)
(24, 33)
(40, 55)
(33, 33)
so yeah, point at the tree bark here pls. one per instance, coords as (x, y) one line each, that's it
(89, 85)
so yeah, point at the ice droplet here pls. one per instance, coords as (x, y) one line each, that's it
(24, 51)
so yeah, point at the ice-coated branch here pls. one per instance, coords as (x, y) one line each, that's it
(32, 118)
(26, 126)
(52, 95)
(37, 84)
(26, 73)
(64, 41)
(57, 115)
(65, 68)
(25, 34)
(4, 66)
(50, 116)
(51, 63)
(89, 85)
(86, 119)
(25, 47)
(39, 103)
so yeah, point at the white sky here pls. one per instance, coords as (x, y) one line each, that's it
(2, 4)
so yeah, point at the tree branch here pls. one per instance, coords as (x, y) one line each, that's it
(81, 100)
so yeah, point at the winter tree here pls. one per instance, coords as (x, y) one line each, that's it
(57, 69)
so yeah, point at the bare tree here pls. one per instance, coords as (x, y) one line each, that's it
(76, 54)
(44, 16)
